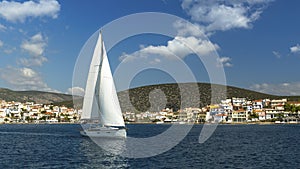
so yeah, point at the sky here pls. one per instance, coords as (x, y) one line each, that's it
(257, 43)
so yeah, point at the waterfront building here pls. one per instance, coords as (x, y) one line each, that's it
(257, 104)
(260, 113)
(239, 116)
(238, 103)
(272, 113)
(278, 104)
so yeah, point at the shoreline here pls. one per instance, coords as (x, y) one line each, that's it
(241, 123)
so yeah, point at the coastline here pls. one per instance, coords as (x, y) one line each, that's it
(240, 123)
(186, 123)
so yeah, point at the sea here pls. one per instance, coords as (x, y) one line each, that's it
(230, 146)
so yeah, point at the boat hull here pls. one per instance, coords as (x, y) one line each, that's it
(104, 132)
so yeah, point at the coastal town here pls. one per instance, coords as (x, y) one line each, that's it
(30, 112)
(233, 110)
(229, 111)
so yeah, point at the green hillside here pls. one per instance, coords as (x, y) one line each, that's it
(172, 94)
(33, 96)
(139, 99)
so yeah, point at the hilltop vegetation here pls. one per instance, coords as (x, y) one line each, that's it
(139, 99)
(33, 96)
(172, 95)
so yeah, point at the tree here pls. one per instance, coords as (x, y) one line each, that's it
(43, 118)
(297, 108)
(279, 116)
(27, 118)
(66, 119)
(253, 115)
(287, 107)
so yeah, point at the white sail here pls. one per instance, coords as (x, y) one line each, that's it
(100, 99)
(90, 108)
(110, 111)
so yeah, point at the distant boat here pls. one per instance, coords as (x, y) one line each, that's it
(279, 122)
(160, 122)
(101, 113)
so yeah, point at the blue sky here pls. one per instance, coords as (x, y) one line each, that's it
(258, 41)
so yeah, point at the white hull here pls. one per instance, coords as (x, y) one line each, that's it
(106, 132)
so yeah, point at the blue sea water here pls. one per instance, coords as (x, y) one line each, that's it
(230, 146)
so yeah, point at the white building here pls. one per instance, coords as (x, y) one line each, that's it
(278, 104)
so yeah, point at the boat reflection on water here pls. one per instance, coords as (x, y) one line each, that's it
(103, 154)
(113, 145)
(146, 146)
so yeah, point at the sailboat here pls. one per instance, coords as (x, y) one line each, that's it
(101, 113)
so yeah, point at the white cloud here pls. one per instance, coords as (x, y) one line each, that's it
(35, 46)
(18, 11)
(179, 46)
(208, 16)
(76, 91)
(28, 73)
(295, 49)
(32, 61)
(10, 50)
(282, 89)
(186, 29)
(155, 61)
(224, 62)
(277, 54)
(24, 79)
(224, 15)
(1, 43)
(285, 84)
(2, 27)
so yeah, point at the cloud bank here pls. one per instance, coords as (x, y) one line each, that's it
(178, 47)
(208, 16)
(24, 76)
(215, 15)
(24, 79)
(76, 91)
(19, 11)
(282, 89)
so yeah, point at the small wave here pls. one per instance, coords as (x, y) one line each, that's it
(36, 134)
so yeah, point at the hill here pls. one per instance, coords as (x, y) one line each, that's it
(33, 96)
(171, 95)
(140, 98)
